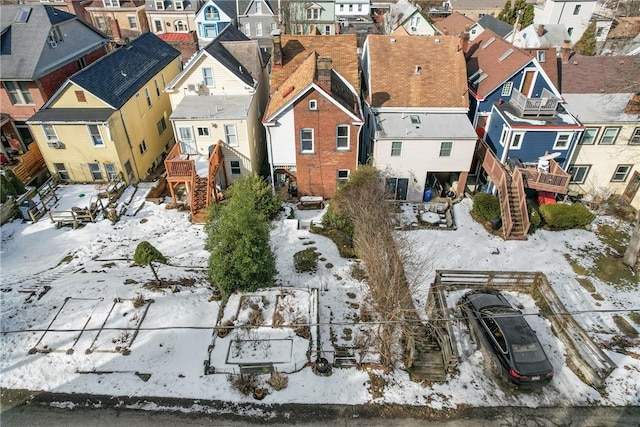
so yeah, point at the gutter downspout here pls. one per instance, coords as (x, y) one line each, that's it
(270, 156)
(124, 126)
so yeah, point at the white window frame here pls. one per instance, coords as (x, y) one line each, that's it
(133, 22)
(247, 29)
(178, 5)
(540, 56)
(237, 167)
(101, 23)
(507, 88)
(206, 77)
(343, 138)
(203, 131)
(327, 30)
(61, 171)
(304, 140)
(50, 133)
(635, 137)
(559, 138)
(180, 26)
(313, 104)
(604, 135)
(594, 137)
(313, 13)
(211, 14)
(96, 174)
(258, 29)
(617, 172)
(576, 9)
(143, 147)
(96, 139)
(342, 172)
(258, 7)
(111, 3)
(158, 25)
(111, 170)
(396, 151)
(516, 140)
(231, 135)
(576, 170)
(444, 150)
(147, 94)
(503, 135)
(20, 93)
(159, 4)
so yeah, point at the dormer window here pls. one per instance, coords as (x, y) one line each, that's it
(211, 14)
(111, 3)
(159, 5)
(415, 119)
(55, 37)
(178, 5)
(313, 12)
(258, 7)
(540, 55)
(180, 26)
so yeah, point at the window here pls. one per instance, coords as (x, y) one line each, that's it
(635, 138)
(589, 136)
(143, 147)
(313, 104)
(609, 136)
(50, 134)
(576, 9)
(112, 172)
(258, 29)
(562, 141)
(148, 96)
(415, 119)
(96, 138)
(578, 173)
(207, 76)
(342, 137)
(313, 13)
(327, 30)
(162, 126)
(81, 63)
(506, 89)
(157, 24)
(306, 140)
(100, 23)
(570, 30)
(274, 26)
(343, 175)
(621, 173)
(341, 8)
(230, 135)
(18, 92)
(133, 24)
(129, 170)
(359, 8)
(178, 5)
(61, 170)
(155, 82)
(445, 148)
(247, 29)
(396, 148)
(350, 8)
(235, 167)
(540, 56)
(203, 131)
(94, 168)
(180, 26)
(160, 4)
(516, 140)
(211, 14)
(112, 3)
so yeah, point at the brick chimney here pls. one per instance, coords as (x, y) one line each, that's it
(565, 51)
(463, 41)
(323, 67)
(115, 30)
(633, 106)
(540, 30)
(277, 48)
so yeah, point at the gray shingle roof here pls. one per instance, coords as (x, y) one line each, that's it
(70, 115)
(25, 53)
(236, 60)
(116, 77)
(499, 27)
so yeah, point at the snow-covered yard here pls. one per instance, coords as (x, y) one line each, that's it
(93, 284)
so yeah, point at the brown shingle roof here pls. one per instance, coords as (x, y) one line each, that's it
(300, 78)
(440, 82)
(601, 74)
(296, 49)
(550, 65)
(487, 53)
(454, 24)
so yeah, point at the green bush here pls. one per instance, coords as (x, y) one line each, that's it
(6, 188)
(306, 260)
(486, 205)
(18, 186)
(147, 253)
(534, 218)
(342, 241)
(339, 221)
(560, 216)
(265, 201)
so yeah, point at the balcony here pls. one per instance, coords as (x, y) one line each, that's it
(544, 106)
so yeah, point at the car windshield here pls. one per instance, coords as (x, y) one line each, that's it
(528, 353)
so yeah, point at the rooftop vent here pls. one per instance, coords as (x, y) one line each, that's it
(505, 55)
(487, 43)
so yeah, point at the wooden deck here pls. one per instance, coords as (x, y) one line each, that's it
(29, 164)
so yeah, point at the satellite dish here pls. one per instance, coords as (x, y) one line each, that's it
(549, 156)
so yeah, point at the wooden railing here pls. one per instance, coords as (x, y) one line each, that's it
(554, 181)
(30, 164)
(499, 176)
(545, 105)
(179, 168)
(518, 180)
(216, 160)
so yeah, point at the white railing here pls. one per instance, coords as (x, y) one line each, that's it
(545, 105)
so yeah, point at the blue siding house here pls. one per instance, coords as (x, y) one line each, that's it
(529, 138)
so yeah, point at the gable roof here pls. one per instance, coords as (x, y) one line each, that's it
(601, 74)
(116, 77)
(296, 49)
(228, 7)
(237, 52)
(24, 51)
(553, 35)
(499, 27)
(551, 63)
(303, 79)
(400, 78)
(454, 24)
(486, 56)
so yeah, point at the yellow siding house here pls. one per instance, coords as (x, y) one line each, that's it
(111, 118)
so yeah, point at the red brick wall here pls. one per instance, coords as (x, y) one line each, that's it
(44, 88)
(317, 173)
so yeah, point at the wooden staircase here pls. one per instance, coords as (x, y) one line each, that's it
(516, 199)
(427, 363)
(199, 195)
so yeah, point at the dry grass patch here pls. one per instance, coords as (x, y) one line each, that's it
(278, 381)
(625, 327)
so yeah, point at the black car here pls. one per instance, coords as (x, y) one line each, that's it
(504, 332)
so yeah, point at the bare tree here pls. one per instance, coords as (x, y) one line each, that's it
(633, 249)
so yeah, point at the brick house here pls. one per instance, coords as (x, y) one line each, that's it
(41, 47)
(314, 116)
